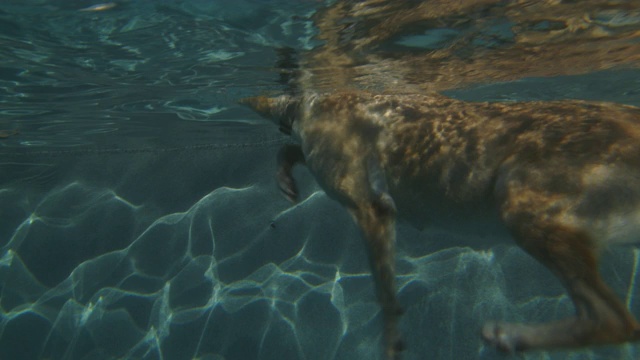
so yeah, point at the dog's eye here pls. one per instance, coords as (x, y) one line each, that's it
(285, 130)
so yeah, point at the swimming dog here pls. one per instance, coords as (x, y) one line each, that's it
(563, 177)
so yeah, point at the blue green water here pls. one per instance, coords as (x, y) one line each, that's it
(140, 217)
(141, 71)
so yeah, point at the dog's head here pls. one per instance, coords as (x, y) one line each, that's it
(282, 110)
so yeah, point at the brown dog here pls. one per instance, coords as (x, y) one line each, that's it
(563, 177)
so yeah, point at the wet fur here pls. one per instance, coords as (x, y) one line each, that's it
(563, 177)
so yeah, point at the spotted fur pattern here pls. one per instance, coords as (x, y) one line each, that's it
(562, 177)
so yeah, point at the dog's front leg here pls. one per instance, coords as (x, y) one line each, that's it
(376, 219)
(289, 156)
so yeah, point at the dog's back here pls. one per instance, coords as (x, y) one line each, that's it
(573, 161)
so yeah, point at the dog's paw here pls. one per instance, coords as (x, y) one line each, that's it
(503, 336)
(287, 186)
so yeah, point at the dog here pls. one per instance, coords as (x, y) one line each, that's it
(563, 177)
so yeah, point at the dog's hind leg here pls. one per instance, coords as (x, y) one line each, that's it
(570, 254)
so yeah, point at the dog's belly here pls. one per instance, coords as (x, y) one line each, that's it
(624, 229)
(615, 229)
(475, 223)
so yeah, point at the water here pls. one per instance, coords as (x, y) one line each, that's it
(141, 71)
(139, 216)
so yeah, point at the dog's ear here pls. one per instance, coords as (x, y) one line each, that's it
(289, 68)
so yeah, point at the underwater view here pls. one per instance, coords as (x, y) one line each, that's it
(140, 215)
